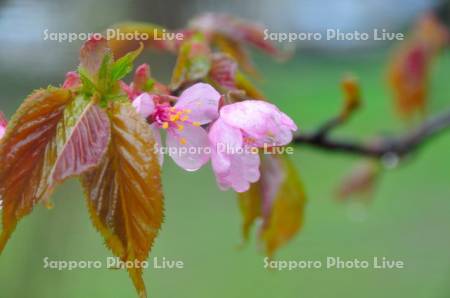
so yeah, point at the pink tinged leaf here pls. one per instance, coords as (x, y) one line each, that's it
(203, 102)
(128, 90)
(236, 29)
(261, 121)
(72, 80)
(223, 70)
(141, 76)
(144, 105)
(92, 53)
(360, 181)
(188, 147)
(83, 138)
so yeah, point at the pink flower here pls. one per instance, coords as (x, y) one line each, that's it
(3, 124)
(187, 141)
(241, 128)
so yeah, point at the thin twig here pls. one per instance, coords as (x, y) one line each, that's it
(399, 146)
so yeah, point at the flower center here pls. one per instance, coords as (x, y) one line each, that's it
(173, 119)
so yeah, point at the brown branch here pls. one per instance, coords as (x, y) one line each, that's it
(399, 146)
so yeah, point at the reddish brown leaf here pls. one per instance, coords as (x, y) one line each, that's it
(149, 34)
(27, 155)
(91, 55)
(82, 139)
(409, 69)
(235, 29)
(124, 192)
(360, 181)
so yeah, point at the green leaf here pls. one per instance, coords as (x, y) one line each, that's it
(124, 65)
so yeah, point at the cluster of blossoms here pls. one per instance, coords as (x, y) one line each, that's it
(200, 127)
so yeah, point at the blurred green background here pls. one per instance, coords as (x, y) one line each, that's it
(407, 220)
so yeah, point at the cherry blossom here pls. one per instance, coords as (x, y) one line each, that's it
(187, 140)
(243, 127)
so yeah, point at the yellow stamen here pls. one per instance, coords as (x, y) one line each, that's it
(184, 118)
(188, 111)
(196, 123)
(183, 141)
(174, 118)
(165, 125)
(180, 127)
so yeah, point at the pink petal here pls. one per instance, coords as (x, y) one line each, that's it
(260, 120)
(243, 171)
(203, 101)
(223, 138)
(222, 134)
(189, 148)
(3, 124)
(220, 162)
(144, 104)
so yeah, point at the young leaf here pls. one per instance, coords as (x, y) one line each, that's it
(230, 34)
(124, 65)
(223, 71)
(124, 192)
(27, 155)
(352, 100)
(193, 63)
(284, 203)
(92, 56)
(237, 51)
(149, 34)
(82, 139)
